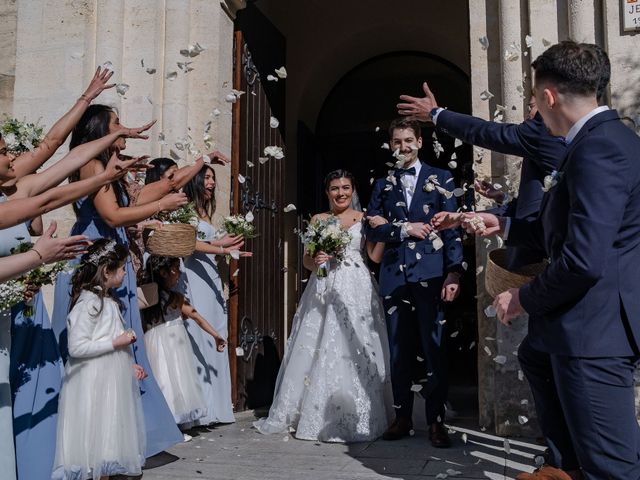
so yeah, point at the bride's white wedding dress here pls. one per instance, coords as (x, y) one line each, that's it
(334, 382)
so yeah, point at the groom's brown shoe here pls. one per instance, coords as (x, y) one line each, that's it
(439, 436)
(398, 429)
(547, 472)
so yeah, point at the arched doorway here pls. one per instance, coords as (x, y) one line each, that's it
(350, 130)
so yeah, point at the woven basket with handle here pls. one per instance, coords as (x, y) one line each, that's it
(170, 240)
(498, 279)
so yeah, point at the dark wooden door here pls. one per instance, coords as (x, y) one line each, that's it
(257, 301)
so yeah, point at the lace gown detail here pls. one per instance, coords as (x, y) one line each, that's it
(334, 384)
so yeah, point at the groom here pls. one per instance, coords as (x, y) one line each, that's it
(419, 270)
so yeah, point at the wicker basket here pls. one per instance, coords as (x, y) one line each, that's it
(498, 279)
(170, 240)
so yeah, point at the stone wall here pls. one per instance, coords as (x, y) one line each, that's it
(60, 43)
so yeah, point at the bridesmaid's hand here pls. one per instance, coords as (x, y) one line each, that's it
(220, 343)
(139, 372)
(231, 240)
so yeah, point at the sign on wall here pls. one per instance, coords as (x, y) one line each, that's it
(630, 15)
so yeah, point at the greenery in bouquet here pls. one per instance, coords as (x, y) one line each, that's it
(21, 136)
(240, 225)
(36, 278)
(185, 214)
(325, 235)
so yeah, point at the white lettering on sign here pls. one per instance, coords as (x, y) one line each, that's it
(630, 15)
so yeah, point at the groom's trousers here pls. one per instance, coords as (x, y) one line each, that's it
(586, 411)
(415, 318)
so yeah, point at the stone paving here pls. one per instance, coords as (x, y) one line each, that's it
(239, 452)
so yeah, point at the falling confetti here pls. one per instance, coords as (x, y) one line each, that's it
(273, 122)
(507, 445)
(289, 208)
(500, 359)
(487, 350)
(171, 76)
(490, 311)
(281, 72)
(150, 71)
(486, 95)
(107, 66)
(522, 419)
(416, 387)
(122, 88)
(484, 41)
(274, 151)
(453, 164)
(457, 143)
(241, 179)
(272, 78)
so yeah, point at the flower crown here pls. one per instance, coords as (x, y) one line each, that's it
(95, 257)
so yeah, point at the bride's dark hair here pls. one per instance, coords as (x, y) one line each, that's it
(340, 173)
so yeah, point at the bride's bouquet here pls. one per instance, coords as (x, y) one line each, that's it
(12, 292)
(325, 235)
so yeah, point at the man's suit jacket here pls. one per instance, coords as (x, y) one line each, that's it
(411, 259)
(541, 152)
(587, 301)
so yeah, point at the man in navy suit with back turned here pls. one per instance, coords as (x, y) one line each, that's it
(530, 139)
(581, 354)
(416, 274)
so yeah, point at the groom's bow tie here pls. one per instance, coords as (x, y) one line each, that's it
(405, 171)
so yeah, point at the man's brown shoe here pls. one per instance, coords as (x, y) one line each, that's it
(547, 472)
(439, 436)
(398, 429)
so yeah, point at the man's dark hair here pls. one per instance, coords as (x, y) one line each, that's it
(404, 123)
(574, 68)
(605, 72)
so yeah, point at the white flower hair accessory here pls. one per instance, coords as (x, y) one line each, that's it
(95, 257)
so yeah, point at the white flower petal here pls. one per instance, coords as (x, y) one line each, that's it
(273, 122)
(289, 208)
(122, 88)
(281, 72)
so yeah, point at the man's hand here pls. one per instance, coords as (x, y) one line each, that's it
(507, 306)
(482, 224)
(487, 190)
(418, 230)
(418, 108)
(451, 287)
(446, 220)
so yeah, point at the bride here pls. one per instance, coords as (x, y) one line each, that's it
(334, 384)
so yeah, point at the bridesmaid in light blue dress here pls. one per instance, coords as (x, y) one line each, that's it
(7, 452)
(204, 290)
(35, 376)
(161, 429)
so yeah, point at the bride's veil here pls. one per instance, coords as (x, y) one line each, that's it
(355, 202)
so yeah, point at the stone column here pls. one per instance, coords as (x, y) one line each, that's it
(543, 25)
(582, 20)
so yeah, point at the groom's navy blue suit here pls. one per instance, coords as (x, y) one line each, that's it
(541, 152)
(411, 276)
(585, 307)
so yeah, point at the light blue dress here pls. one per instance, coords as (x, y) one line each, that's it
(161, 429)
(7, 453)
(35, 377)
(205, 292)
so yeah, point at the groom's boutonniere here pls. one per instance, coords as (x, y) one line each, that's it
(552, 180)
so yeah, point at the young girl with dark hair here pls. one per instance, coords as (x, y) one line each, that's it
(168, 346)
(100, 422)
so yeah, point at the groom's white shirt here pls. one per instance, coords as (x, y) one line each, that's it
(409, 183)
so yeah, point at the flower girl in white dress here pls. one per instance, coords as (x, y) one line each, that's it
(100, 424)
(168, 346)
